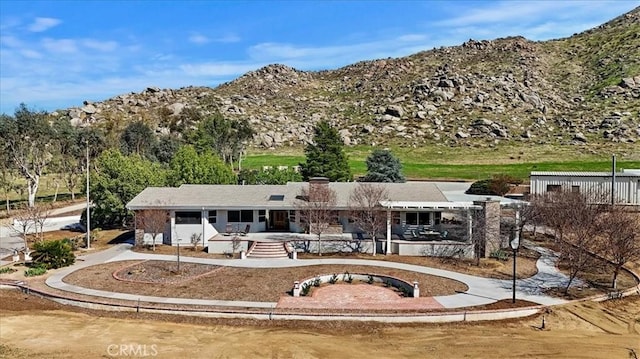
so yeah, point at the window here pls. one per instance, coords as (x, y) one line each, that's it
(415, 218)
(554, 188)
(213, 216)
(276, 197)
(575, 189)
(412, 218)
(246, 215)
(262, 215)
(188, 218)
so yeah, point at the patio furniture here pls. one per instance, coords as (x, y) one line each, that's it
(228, 229)
(246, 230)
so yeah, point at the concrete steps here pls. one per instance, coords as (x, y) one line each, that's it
(268, 250)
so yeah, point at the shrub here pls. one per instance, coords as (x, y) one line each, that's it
(499, 254)
(333, 279)
(497, 185)
(7, 270)
(35, 271)
(306, 287)
(347, 277)
(369, 279)
(54, 254)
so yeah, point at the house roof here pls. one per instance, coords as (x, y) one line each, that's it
(268, 196)
(625, 173)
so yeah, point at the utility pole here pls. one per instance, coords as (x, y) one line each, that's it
(613, 180)
(88, 202)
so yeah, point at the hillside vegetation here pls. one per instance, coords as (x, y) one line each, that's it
(576, 98)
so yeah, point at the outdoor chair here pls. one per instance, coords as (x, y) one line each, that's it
(246, 230)
(228, 230)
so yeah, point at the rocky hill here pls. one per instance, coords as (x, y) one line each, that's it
(576, 90)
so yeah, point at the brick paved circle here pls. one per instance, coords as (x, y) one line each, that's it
(357, 296)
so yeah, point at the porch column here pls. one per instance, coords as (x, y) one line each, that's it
(388, 249)
(469, 224)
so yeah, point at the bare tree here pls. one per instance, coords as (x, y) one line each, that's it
(621, 235)
(153, 221)
(39, 214)
(23, 224)
(316, 205)
(365, 209)
(236, 243)
(576, 218)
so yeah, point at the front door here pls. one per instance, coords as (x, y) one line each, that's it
(279, 220)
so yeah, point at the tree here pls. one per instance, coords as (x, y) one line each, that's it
(577, 221)
(23, 223)
(69, 160)
(166, 147)
(152, 221)
(27, 139)
(188, 166)
(137, 138)
(325, 156)
(8, 177)
(269, 176)
(621, 234)
(383, 166)
(316, 207)
(227, 138)
(366, 211)
(116, 181)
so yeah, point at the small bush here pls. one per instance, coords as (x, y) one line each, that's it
(369, 279)
(347, 277)
(306, 288)
(54, 254)
(35, 271)
(333, 279)
(317, 282)
(7, 270)
(499, 255)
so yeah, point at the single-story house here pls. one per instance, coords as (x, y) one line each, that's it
(627, 184)
(420, 217)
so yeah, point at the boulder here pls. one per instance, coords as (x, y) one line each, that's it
(90, 108)
(394, 110)
(579, 137)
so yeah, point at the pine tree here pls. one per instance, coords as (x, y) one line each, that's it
(325, 155)
(383, 166)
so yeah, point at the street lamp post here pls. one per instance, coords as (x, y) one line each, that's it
(88, 202)
(515, 244)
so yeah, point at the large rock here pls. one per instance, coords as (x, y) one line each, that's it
(90, 109)
(394, 110)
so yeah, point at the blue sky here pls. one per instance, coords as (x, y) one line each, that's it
(56, 54)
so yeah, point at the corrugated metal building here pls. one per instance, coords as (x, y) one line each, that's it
(627, 183)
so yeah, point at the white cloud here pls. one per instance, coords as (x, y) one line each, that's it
(104, 46)
(219, 69)
(60, 45)
(41, 24)
(228, 38)
(198, 39)
(536, 20)
(11, 41)
(31, 54)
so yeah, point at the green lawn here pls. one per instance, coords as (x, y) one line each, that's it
(466, 163)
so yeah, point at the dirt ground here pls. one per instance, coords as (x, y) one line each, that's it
(229, 283)
(36, 328)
